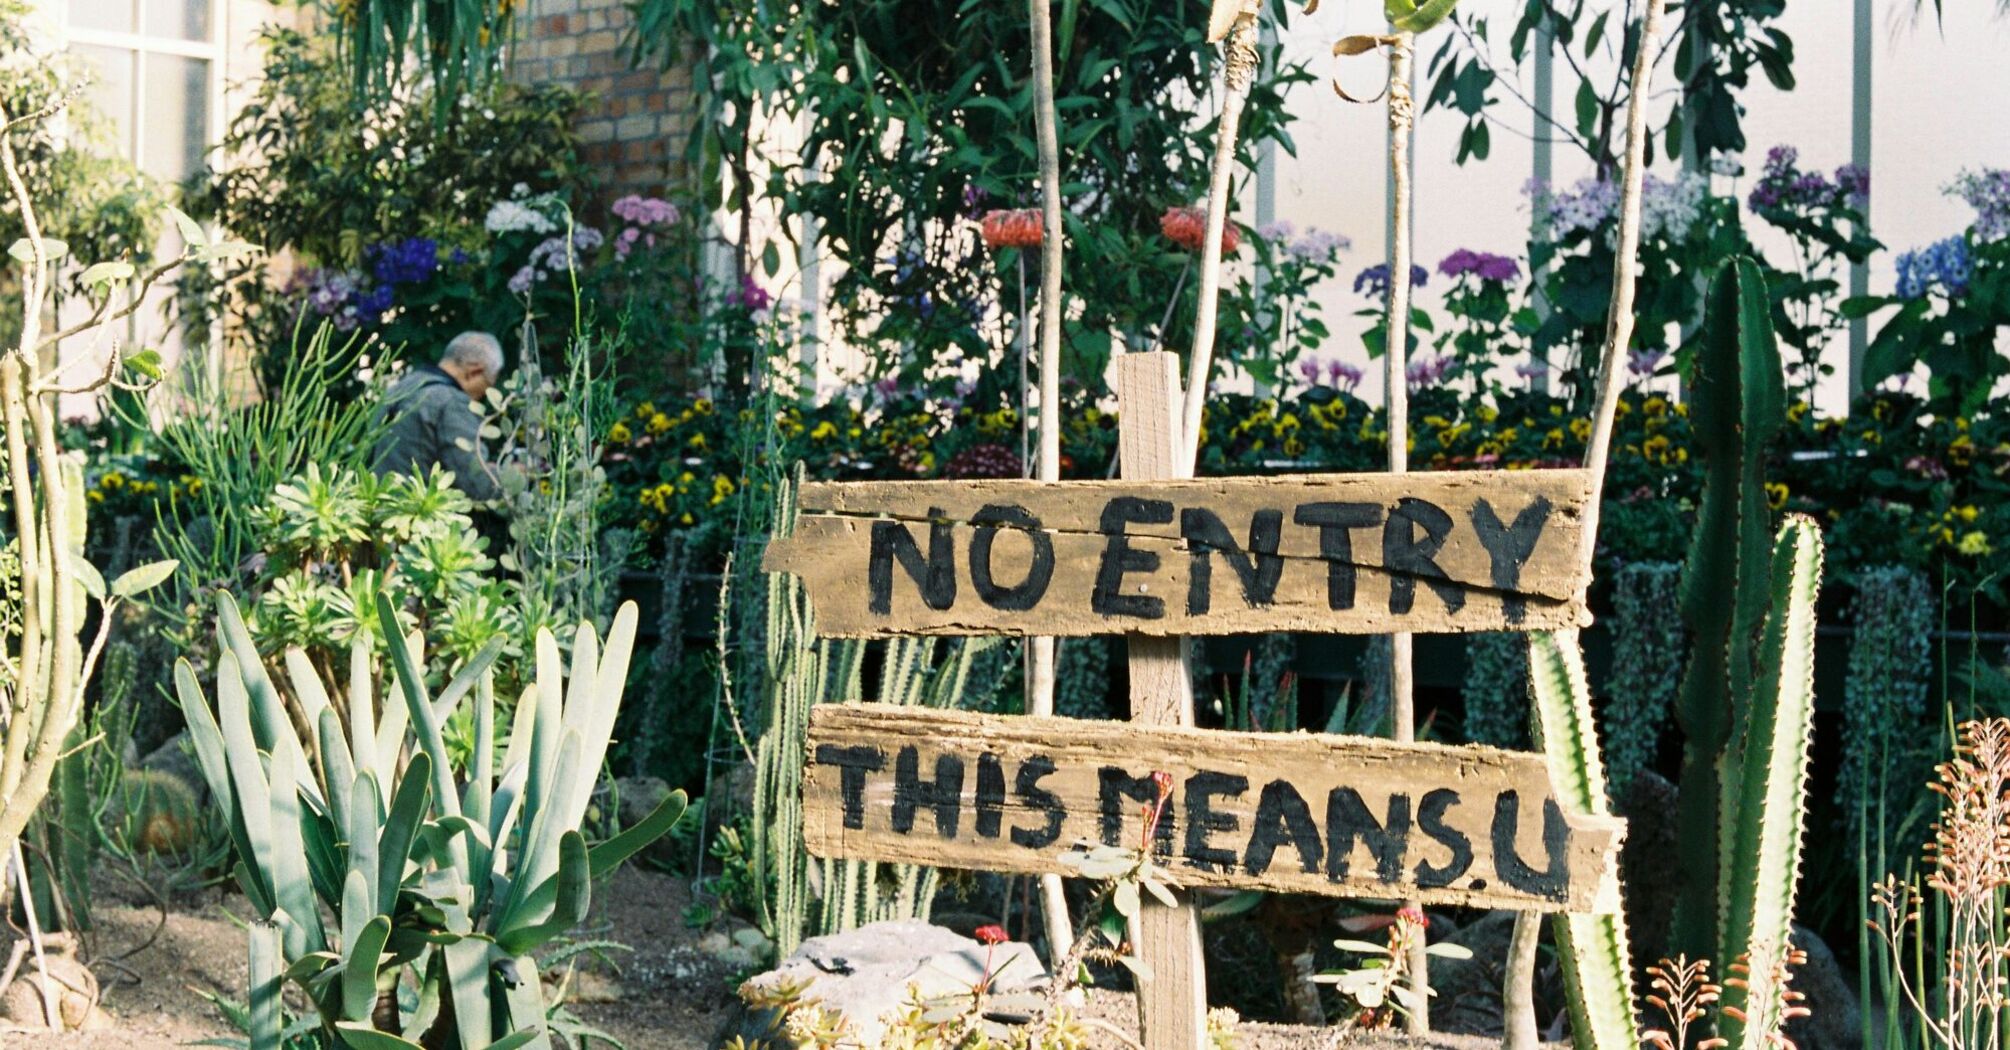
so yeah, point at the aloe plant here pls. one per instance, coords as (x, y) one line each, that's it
(452, 885)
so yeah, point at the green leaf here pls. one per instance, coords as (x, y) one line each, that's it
(771, 259)
(359, 1035)
(24, 250)
(87, 575)
(191, 230)
(609, 855)
(1420, 16)
(100, 274)
(146, 363)
(138, 581)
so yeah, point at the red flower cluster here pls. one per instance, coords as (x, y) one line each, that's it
(992, 934)
(1187, 227)
(1012, 228)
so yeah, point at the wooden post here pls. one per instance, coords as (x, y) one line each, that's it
(1172, 1003)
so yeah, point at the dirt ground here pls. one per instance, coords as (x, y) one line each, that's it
(667, 995)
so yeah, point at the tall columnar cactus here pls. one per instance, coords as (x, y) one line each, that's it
(456, 883)
(1765, 794)
(1596, 960)
(1737, 399)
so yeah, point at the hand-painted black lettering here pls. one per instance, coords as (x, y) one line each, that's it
(1431, 821)
(990, 795)
(853, 764)
(1034, 797)
(1508, 548)
(943, 794)
(1409, 558)
(1028, 592)
(1257, 568)
(1554, 881)
(935, 575)
(1203, 820)
(1336, 544)
(1348, 819)
(1282, 816)
(1114, 787)
(1119, 557)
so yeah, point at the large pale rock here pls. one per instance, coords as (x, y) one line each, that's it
(867, 974)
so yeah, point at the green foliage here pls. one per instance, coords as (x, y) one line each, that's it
(1496, 689)
(1647, 655)
(1884, 705)
(1738, 410)
(364, 875)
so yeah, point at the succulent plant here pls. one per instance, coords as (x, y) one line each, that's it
(455, 884)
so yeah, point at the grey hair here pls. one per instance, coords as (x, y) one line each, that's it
(475, 348)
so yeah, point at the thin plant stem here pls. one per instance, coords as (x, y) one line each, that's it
(1041, 650)
(1239, 64)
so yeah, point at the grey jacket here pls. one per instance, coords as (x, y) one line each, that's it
(429, 417)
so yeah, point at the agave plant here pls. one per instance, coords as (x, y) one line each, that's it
(441, 891)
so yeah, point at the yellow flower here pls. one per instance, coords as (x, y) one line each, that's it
(1967, 514)
(659, 423)
(1656, 447)
(1975, 544)
(722, 486)
(697, 441)
(1437, 422)
(824, 430)
(645, 410)
(703, 406)
(1776, 495)
(95, 496)
(1580, 429)
(619, 433)
(1553, 439)
(1294, 447)
(1961, 450)
(1797, 411)
(1556, 410)
(113, 480)
(1872, 437)
(1623, 408)
(1487, 413)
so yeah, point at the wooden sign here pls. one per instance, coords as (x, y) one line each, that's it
(1298, 813)
(1336, 553)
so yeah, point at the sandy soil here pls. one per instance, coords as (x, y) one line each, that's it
(666, 994)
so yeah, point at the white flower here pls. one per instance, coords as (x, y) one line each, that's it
(511, 216)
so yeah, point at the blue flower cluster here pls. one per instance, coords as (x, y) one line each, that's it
(409, 261)
(1944, 263)
(349, 299)
(1374, 281)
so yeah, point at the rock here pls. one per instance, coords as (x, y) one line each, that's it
(639, 797)
(1468, 999)
(866, 974)
(1835, 1020)
(177, 759)
(73, 986)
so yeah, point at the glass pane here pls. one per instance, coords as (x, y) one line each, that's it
(182, 19)
(113, 15)
(111, 90)
(177, 116)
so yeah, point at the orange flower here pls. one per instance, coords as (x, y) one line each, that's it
(1187, 227)
(1012, 228)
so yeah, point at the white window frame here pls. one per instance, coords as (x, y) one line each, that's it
(143, 46)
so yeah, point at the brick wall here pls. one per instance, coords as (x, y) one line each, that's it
(634, 129)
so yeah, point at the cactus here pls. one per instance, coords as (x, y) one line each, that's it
(1765, 794)
(1737, 406)
(1596, 960)
(454, 884)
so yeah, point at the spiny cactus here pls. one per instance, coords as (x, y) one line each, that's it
(454, 884)
(1596, 960)
(1765, 791)
(1737, 406)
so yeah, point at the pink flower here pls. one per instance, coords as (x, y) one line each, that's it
(1012, 228)
(992, 934)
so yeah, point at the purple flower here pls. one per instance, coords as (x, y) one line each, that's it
(1782, 184)
(887, 388)
(1310, 369)
(371, 305)
(409, 261)
(1988, 192)
(1643, 363)
(645, 211)
(1374, 281)
(522, 280)
(750, 295)
(1854, 182)
(1487, 266)
(1343, 375)
(1532, 369)
(1426, 370)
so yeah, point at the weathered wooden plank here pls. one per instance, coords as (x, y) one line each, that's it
(1172, 1001)
(1337, 553)
(1298, 813)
